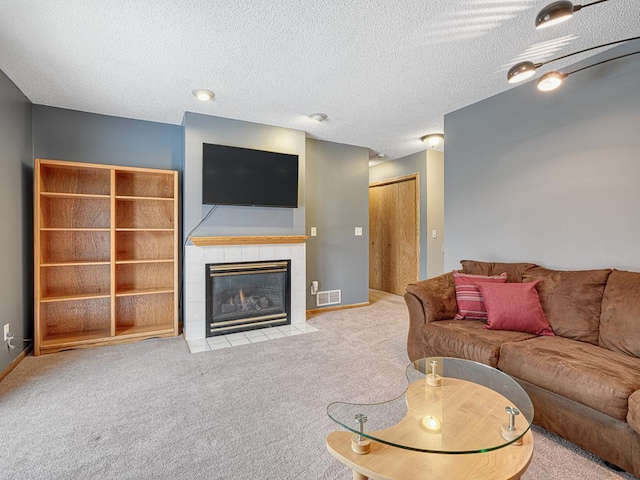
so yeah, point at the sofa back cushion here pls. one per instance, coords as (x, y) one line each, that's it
(571, 300)
(514, 270)
(620, 318)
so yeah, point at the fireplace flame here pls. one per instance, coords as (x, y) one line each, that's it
(242, 300)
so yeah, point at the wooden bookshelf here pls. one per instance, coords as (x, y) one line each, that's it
(106, 254)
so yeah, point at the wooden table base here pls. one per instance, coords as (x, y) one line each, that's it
(384, 462)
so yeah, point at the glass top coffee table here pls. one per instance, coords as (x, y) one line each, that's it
(460, 412)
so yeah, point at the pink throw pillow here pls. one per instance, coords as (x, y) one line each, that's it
(515, 306)
(468, 296)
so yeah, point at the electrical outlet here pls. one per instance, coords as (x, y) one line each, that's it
(6, 332)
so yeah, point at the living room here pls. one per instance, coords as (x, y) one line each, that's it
(548, 179)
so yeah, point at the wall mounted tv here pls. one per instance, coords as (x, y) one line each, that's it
(241, 176)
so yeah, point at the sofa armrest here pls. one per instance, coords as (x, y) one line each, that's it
(437, 296)
(428, 301)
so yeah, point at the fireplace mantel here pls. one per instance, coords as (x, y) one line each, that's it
(262, 240)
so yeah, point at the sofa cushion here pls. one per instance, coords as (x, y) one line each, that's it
(514, 270)
(514, 306)
(585, 373)
(620, 317)
(633, 417)
(571, 300)
(468, 340)
(470, 303)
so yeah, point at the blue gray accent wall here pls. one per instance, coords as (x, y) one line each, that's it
(16, 207)
(237, 220)
(88, 137)
(337, 200)
(430, 169)
(550, 178)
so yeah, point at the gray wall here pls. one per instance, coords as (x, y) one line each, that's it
(337, 200)
(88, 137)
(16, 207)
(232, 220)
(429, 165)
(550, 178)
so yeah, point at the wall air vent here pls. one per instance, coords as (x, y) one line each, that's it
(329, 297)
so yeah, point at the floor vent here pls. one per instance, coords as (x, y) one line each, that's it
(330, 297)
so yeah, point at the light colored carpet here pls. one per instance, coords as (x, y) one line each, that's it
(153, 410)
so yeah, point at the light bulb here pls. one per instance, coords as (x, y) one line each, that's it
(203, 95)
(550, 81)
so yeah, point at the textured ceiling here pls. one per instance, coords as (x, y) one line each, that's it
(385, 72)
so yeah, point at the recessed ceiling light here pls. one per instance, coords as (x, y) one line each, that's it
(381, 155)
(203, 95)
(433, 139)
(318, 117)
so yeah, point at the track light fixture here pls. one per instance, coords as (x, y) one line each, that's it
(552, 80)
(553, 14)
(558, 12)
(523, 70)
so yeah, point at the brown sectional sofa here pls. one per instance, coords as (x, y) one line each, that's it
(584, 382)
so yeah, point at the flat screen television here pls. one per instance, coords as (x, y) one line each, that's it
(241, 176)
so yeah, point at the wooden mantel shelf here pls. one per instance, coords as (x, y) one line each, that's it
(262, 240)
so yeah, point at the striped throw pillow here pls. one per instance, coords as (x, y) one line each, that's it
(470, 302)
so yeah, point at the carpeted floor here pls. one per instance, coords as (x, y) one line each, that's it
(153, 410)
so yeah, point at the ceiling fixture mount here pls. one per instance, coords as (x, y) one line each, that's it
(558, 12)
(433, 139)
(203, 95)
(318, 117)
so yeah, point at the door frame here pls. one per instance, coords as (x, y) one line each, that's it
(404, 178)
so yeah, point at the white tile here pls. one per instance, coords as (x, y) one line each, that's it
(201, 342)
(298, 254)
(196, 292)
(194, 331)
(306, 328)
(293, 332)
(200, 349)
(194, 274)
(240, 341)
(275, 334)
(254, 333)
(232, 254)
(298, 316)
(235, 336)
(218, 346)
(214, 255)
(195, 311)
(283, 252)
(250, 253)
(217, 341)
(267, 252)
(287, 328)
(194, 255)
(261, 338)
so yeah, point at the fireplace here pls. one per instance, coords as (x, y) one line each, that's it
(247, 295)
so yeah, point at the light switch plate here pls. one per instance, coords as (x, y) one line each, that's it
(358, 231)
(314, 232)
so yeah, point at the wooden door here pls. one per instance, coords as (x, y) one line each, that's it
(394, 234)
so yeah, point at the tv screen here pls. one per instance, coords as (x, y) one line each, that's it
(241, 176)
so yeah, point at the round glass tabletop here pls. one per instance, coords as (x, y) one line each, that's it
(450, 406)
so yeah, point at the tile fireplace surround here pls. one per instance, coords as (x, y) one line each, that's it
(206, 250)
